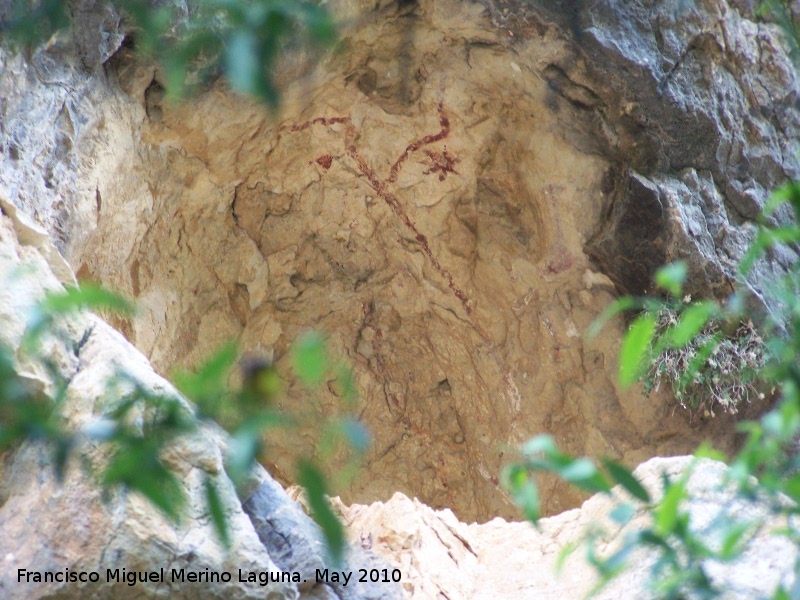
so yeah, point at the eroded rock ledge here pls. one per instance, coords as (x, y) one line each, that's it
(443, 557)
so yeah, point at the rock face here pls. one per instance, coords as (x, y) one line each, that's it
(706, 128)
(453, 199)
(68, 527)
(442, 557)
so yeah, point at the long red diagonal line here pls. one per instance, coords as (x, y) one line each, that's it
(380, 186)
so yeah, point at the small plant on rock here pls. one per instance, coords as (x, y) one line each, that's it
(724, 381)
(713, 357)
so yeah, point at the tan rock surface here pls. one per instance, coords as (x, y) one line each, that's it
(430, 196)
(71, 526)
(417, 201)
(47, 526)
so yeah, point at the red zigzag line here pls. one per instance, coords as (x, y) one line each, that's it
(380, 186)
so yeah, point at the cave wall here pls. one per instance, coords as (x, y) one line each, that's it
(65, 536)
(453, 197)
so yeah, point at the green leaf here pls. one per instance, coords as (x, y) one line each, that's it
(672, 277)
(29, 23)
(788, 193)
(583, 473)
(523, 491)
(666, 514)
(781, 594)
(691, 322)
(791, 487)
(732, 541)
(218, 517)
(313, 483)
(209, 383)
(703, 353)
(309, 360)
(615, 563)
(68, 301)
(243, 449)
(137, 467)
(753, 253)
(622, 513)
(767, 238)
(540, 444)
(621, 305)
(564, 554)
(635, 349)
(707, 451)
(578, 470)
(626, 479)
(356, 434)
(790, 234)
(320, 25)
(651, 538)
(86, 296)
(347, 385)
(241, 62)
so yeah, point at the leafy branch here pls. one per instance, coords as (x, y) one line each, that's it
(688, 343)
(240, 40)
(138, 426)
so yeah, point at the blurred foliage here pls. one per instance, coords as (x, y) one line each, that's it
(250, 411)
(138, 426)
(241, 40)
(710, 356)
(766, 470)
(713, 355)
(780, 12)
(715, 369)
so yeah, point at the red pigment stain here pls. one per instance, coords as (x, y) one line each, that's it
(317, 121)
(444, 123)
(325, 161)
(561, 264)
(441, 163)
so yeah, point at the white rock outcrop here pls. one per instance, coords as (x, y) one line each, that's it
(442, 557)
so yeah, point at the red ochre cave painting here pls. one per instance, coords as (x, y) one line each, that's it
(437, 162)
(325, 161)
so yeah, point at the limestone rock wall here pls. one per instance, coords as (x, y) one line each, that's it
(706, 128)
(452, 197)
(68, 526)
